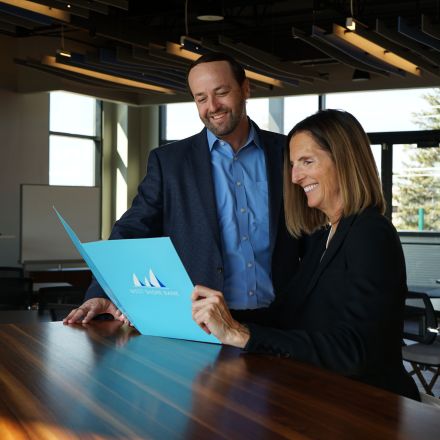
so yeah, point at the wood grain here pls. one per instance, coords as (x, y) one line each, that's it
(104, 381)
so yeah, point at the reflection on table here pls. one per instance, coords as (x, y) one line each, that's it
(106, 381)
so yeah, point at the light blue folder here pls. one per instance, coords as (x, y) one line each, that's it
(146, 280)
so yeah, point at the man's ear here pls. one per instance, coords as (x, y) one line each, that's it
(246, 88)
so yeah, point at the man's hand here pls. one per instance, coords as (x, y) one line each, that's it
(210, 312)
(91, 308)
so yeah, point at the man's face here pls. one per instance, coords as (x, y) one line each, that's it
(220, 100)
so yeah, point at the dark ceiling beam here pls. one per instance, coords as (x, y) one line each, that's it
(161, 53)
(268, 60)
(28, 19)
(73, 10)
(429, 55)
(413, 33)
(144, 56)
(121, 4)
(336, 54)
(87, 5)
(433, 30)
(354, 52)
(7, 27)
(399, 50)
(115, 29)
(18, 20)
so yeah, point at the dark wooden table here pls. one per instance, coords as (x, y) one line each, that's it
(107, 382)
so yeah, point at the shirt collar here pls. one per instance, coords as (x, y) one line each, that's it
(253, 137)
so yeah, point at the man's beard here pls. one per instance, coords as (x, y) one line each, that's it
(233, 120)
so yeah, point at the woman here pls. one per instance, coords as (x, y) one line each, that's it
(344, 309)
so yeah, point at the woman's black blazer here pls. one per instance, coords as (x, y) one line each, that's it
(344, 312)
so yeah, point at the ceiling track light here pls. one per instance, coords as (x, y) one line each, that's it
(375, 50)
(350, 23)
(59, 63)
(181, 50)
(57, 14)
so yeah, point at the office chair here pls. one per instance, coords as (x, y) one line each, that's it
(421, 326)
(59, 300)
(15, 293)
(11, 272)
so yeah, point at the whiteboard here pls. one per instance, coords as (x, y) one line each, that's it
(42, 237)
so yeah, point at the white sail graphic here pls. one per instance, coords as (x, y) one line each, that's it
(136, 282)
(147, 283)
(153, 280)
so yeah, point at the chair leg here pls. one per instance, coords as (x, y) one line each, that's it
(427, 388)
(433, 380)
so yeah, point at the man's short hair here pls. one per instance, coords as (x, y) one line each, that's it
(236, 68)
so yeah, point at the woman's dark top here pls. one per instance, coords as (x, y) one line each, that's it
(344, 312)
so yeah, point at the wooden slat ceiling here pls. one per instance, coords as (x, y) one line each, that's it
(285, 40)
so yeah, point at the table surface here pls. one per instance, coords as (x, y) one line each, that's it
(105, 381)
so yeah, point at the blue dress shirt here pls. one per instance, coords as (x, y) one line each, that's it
(241, 192)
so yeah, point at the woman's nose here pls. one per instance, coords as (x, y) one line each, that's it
(296, 175)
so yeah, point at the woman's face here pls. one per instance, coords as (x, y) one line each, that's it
(314, 170)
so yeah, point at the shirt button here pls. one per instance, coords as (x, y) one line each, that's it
(244, 238)
(235, 158)
(251, 292)
(250, 264)
(238, 183)
(243, 210)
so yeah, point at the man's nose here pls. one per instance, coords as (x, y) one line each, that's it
(213, 104)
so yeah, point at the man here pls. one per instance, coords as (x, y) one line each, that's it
(218, 195)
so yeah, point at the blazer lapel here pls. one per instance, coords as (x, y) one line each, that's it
(313, 267)
(274, 184)
(333, 248)
(200, 163)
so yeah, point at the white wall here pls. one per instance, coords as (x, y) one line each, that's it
(24, 158)
(24, 150)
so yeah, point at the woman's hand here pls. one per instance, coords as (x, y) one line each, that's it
(210, 312)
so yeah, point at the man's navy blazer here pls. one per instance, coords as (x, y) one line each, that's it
(176, 199)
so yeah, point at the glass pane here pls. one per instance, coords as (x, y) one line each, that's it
(182, 121)
(296, 108)
(258, 110)
(416, 188)
(384, 110)
(377, 153)
(71, 161)
(70, 113)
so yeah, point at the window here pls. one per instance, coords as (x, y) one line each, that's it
(382, 110)
(296, 108)
(74, 139)
(182, 120)
(416, 188)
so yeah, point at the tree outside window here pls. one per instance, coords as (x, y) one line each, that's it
(416, 187)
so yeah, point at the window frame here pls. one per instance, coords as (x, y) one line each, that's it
(97, 140)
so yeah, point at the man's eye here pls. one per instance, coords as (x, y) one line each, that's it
(307, 162)
(201, 100)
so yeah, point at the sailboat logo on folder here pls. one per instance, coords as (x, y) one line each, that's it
(152, 282)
